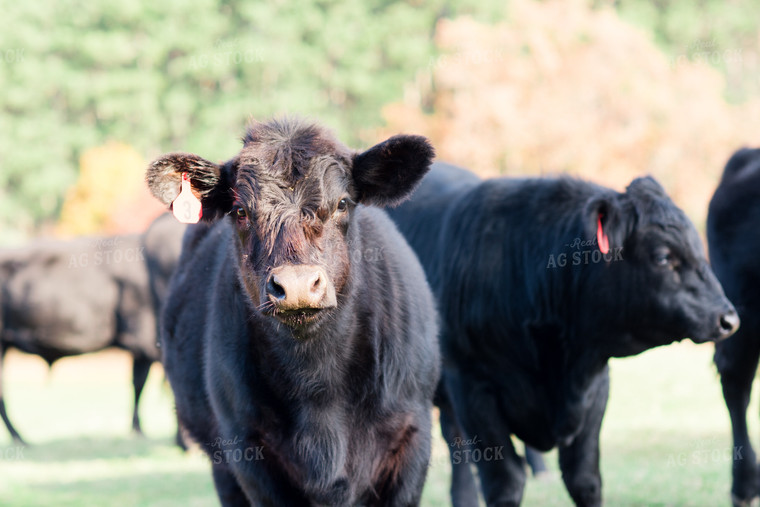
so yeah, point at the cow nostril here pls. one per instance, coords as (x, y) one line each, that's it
(317, 282)
(729, 322)
(274, 289)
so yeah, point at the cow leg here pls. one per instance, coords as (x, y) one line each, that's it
(535, 461)
(4, 415)
(579, 461)
(140, 369)
(407, 484)
(501, 469)
(261, 480)
(227, 488)
(745, 485)
(736, 359)
(14, 434)
(179, 439)
(464, 490)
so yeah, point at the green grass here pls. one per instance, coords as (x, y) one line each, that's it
(665, 439)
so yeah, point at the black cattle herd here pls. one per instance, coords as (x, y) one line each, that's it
(328, 298)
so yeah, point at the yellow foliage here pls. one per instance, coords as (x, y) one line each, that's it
(110, 176)
(564, 88)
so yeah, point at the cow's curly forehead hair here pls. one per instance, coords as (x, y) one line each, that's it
(286, 152)
(289, 172)
(288, 147)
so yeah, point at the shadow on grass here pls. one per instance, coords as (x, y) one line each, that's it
(141, 489)
(90, 448)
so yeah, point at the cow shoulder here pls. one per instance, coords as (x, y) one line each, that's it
(395, 291)
(385, 257)
(205, 267)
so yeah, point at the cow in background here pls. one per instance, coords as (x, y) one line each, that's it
(163, 245)
(66, 298)
(733, 237)
(539, 283)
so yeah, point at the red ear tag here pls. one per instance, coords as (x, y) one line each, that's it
(186, 207)
(601, 237)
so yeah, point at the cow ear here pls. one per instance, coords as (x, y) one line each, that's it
(646, 189)
(387, 173)
(608, 223)
(210, 183)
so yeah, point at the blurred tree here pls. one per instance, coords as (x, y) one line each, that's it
(725, 35)
(187, 75)
(560, 87)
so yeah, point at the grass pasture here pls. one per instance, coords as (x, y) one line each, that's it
(665, 439)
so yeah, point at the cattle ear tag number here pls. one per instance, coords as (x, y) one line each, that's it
(186, 207)
(601, 237)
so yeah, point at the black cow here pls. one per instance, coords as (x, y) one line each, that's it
(65, 298)
(299, 335)
(163, 244)
(532, 310)
(732, 235)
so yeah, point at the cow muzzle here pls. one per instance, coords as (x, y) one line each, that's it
(728, 324)
(298, 293)
(722, 325)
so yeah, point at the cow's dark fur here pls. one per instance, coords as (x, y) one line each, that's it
(295, 409)
(64, 298)
(733, 222)
(526, 341)
(163, 244)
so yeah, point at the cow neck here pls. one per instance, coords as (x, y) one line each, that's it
(584, 305)
(314, 366)
(600, 344)
(577, 358)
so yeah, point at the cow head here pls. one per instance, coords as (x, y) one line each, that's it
(291, 194)
(669, 290)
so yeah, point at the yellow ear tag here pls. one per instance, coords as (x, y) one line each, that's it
(186, 207)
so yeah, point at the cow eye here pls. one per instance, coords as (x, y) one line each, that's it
(664, 257)
(239, 212)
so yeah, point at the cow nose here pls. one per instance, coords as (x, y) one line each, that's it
(299, 287)
(729, 323)
(316, 285)
(275, 289)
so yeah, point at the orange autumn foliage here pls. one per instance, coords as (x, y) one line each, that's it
(110, 196)
(563, 88)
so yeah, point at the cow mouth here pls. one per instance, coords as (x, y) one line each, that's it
(713, 338)
(728, 324)
(299, 318)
